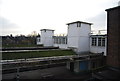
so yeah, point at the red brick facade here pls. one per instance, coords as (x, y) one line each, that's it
(113, 44)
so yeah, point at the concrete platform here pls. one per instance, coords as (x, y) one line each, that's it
(49, 73)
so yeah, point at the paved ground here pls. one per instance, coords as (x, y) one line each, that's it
(55, 73)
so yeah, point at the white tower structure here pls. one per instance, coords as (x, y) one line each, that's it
(78, 36)
(47, 37)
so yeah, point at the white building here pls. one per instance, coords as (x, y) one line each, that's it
(98, 44)
(46, 37)
(78, 36)
(60, 41)
(79, 39)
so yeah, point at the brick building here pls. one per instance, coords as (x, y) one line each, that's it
(113, 46)
(112, 72)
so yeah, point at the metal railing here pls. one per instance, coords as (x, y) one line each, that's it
(45, 59)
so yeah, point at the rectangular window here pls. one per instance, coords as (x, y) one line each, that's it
(66, 40)
(63, 40)
(54, 40)
(94, 41)
(57, 40)
(78, 24)
(60, 40)
(103, 41)
(99, 41)
(38, 39)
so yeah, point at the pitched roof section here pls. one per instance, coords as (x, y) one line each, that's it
(79, 22)
(112, 8)
(46, 30)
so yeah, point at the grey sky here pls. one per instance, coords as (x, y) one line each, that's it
(7, 27)
(25, 16)
(100, 21)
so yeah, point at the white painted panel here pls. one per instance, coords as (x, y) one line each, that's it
(98, 49)
(84, 45)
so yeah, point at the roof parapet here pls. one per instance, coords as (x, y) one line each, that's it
(80, 22)
(47, 30)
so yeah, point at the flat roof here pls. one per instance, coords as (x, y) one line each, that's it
(79, 22)
(47, 30)
(99, 35)
(112, 8)
(108, 74)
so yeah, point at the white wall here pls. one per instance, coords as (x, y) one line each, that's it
(84, 30)
(73, 35)
(78, 37)
(84, 39)
(96, 49)
(47, 37)
(83, 45)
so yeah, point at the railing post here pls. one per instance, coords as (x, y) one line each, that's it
(17, 75)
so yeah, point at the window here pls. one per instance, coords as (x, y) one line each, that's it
(63, 40)
(57, 40)
(54, 40)
(38, 39)
(101, 41)
(66, 40)
(94, 41)
(78, 24)
(60, 40)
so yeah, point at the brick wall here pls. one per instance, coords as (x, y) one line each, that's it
(113, 44)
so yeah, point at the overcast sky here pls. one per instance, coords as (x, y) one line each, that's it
(24, 16)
